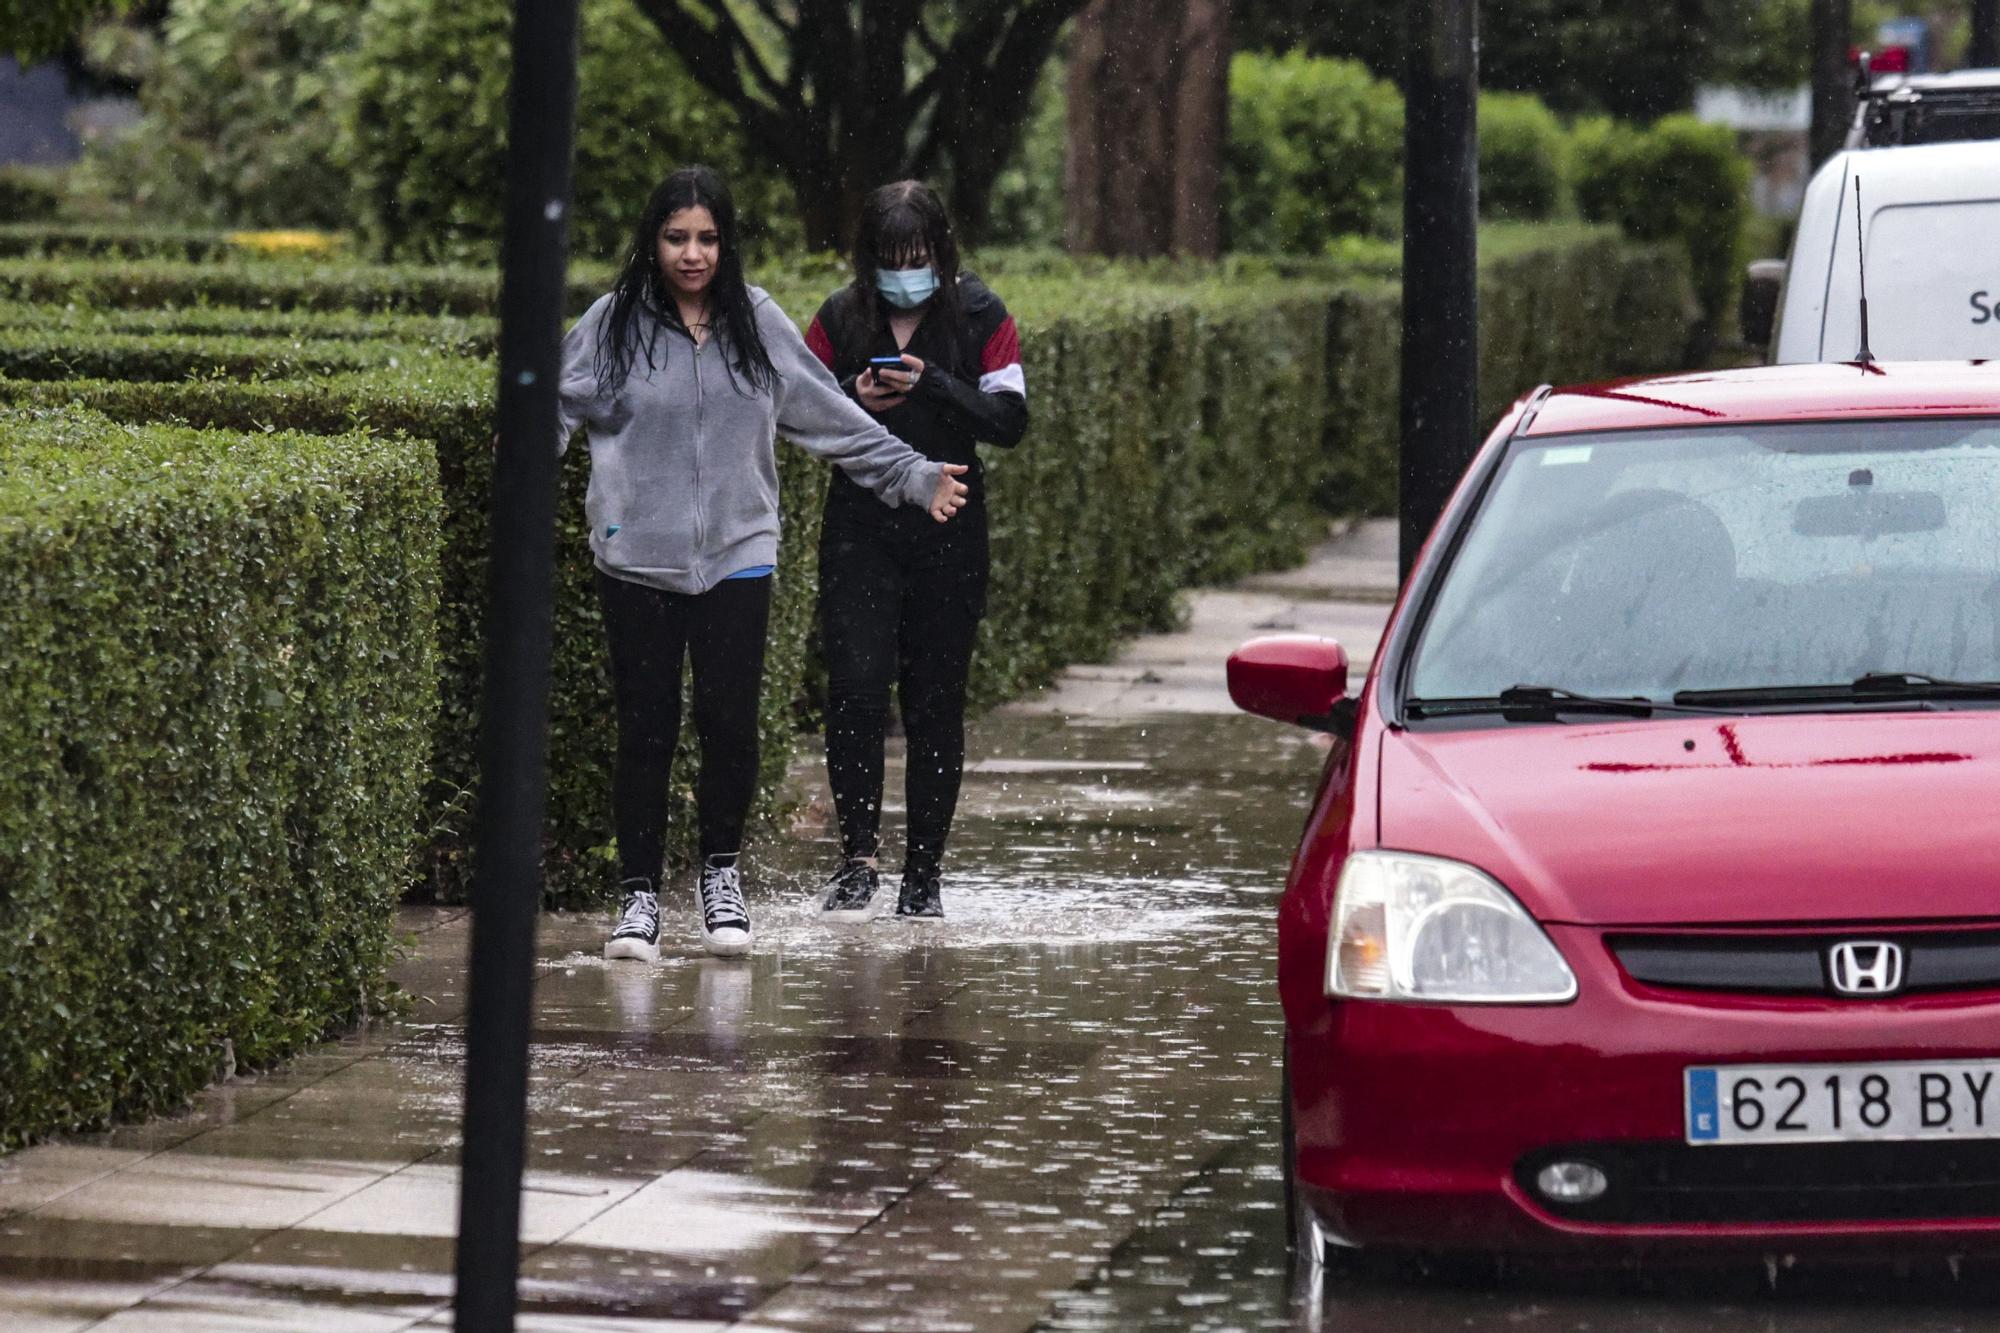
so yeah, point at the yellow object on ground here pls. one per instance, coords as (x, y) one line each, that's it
(288, 242)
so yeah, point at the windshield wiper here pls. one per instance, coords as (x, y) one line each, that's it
(1544, 703)
(1875, 687)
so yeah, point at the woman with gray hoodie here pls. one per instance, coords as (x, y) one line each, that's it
(683, 375)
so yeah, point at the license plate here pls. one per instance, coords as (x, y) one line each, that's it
(1841, 1103)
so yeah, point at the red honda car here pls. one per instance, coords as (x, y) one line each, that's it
(1651, 895)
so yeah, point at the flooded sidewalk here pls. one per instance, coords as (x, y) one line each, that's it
(942, 1126)
(1056, 1109)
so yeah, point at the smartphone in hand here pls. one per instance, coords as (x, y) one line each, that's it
(878, 364)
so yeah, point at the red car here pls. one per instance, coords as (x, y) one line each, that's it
(1651, 895)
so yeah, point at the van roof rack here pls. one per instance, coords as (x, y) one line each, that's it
(1899, 110)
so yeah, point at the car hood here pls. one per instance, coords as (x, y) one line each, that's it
(1854, 817)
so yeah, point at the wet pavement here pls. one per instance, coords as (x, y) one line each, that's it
(1054, 1110)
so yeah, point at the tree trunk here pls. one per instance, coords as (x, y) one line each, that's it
(816, 179)
(1201, 128)
(1148, 99)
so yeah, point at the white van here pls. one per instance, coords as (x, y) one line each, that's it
(1931, 218)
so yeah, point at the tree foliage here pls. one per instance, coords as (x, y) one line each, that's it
(32, 29)
(1315, 152)
(1521, 152)
(239, 103)
(845, 95)
(1636, 61)
(1679, 181)
(423, 130)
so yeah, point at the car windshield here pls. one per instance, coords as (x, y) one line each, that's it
(1648, 563)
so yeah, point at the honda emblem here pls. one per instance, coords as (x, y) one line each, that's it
(1866, 967)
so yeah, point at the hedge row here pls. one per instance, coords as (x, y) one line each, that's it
(33, 354)
(1183, 430)
(273, 288)
(1577, 304)
(466, 335)
(1146, 481)
(51, 240)
(265, 285)
(1680, 182)
(217, 670)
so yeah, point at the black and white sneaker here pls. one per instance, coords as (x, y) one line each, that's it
(922, 898)
(725, 920)
(637, 934)
(850, 894)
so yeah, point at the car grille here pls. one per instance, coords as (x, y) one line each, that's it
(1662, 1183)
(1797, 964)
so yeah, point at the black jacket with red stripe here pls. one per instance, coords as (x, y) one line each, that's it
(972, 390)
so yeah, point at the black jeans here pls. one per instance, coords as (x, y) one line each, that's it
(651, 633)
(902, 609)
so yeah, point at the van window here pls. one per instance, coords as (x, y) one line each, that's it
(1933, 285)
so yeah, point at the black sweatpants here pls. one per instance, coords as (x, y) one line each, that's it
(898, 609)
(652, 632)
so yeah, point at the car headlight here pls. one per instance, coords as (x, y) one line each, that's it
(1408, 927)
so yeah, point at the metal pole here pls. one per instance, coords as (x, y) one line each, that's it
(1985, 52)
(1440, 262)
(514, 714)
(1832, 77)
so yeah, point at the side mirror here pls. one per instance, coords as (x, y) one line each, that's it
(1757, 313)
(1298, 679)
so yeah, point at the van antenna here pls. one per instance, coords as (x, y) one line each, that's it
(1864, 356)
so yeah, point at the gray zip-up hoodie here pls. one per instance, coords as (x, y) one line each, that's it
(683, 472)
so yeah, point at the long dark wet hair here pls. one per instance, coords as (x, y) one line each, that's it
(641, 284)
(899, 220)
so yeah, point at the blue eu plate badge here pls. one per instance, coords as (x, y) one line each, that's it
(1704, 1108)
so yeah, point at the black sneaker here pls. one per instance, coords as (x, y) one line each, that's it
(850, 894)
(725, 919)
(922, 898)
(637, 934)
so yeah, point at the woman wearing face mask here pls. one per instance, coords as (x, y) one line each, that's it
(683, 375)
(900, 601)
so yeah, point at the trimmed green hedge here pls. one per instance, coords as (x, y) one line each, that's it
(1176, 432)
(1184, 429)
(1178, 456)
(1677, 181)
(268, 284)
(217, 665)
(70, 240)
(29, 194)
(1557, 305)
(32, 354)
(1315, 152)
(464, 335)
(448, 406)
(261, 291)
(1523, 169)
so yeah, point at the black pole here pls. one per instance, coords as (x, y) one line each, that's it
(1985, 52)
(1440, 262)
(514, 713)
(1832, 77)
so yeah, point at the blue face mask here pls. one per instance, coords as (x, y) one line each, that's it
(906, 288)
